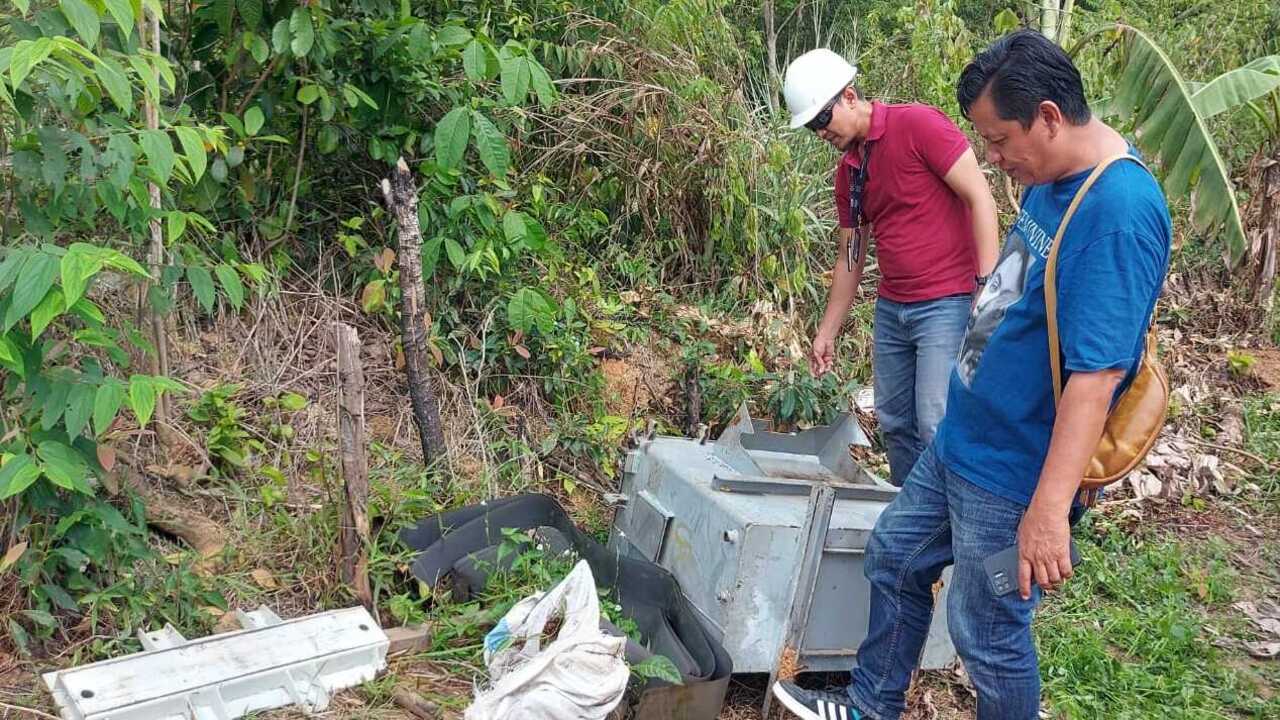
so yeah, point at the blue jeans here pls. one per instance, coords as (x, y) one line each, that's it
(915, 349)
(940, 519)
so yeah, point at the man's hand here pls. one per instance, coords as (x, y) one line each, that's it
(822, 356)
(1044, 549)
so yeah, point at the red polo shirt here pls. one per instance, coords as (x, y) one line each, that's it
(922, 231)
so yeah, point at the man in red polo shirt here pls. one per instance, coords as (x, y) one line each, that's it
(928, 206)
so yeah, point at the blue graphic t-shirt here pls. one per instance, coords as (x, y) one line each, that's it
(1114, 256)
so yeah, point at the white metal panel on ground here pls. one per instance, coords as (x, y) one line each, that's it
(224, 676)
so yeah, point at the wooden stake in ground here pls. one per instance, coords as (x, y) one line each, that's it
(353, 564)
(402, 199)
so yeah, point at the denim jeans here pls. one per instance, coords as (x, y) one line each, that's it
(915, 349)
(940, 519)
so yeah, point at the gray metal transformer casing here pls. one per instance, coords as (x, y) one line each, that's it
(727, 519)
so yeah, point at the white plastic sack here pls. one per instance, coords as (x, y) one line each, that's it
(581, 675)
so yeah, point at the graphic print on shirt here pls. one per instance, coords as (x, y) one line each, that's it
(1007, 285)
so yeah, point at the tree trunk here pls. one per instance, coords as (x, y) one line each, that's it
(1064, 22)
(353, 564)
(402, 200)
(1268, 233)
(1049, 19)
(150, 23)
(771, 45)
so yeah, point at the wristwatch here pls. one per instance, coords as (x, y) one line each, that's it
(981, 280)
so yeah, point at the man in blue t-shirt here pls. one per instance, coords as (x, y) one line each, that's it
(1005, 465)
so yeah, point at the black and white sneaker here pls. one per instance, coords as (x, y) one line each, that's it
(813, 704)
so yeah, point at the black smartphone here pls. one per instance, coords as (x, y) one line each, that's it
(1002, 568)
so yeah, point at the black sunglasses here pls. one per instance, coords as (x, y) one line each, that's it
(823, 118)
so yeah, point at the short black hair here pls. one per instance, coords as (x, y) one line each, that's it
(1023, 69)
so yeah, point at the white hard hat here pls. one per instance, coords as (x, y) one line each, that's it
(812, 80)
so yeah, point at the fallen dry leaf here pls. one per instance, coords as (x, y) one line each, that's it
(384, 260)
(106, 457)
(12, 556)
(498, 402)
(264, 578)
(522, 351)
(1266, 615)
(228, 622)
(1263, 650)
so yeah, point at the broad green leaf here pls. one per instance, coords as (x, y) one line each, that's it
(17, 475)
(11, 265)
(5, 96)
(475, 61)
(293, 401)
(163, 66)
(55, 404)
(257, 47)
(514, 227)
(84, 19)
(111, 75)
(175, 224)
(452, 133)
(120, 261)
(1172, 134)
(49, 308)
(660, 667)
(76, 269)
(491, 144)
(79, 408)
(1006, 21)
(373, 295)
(253, 120)
(202, 285)
(223, 13)
(89, 312)
(308, 94)
(529, 309)
(280, 37)
(193, 151)
(453, 36)
(33, 283)
(106, 403)
(1235, 88)
(22, 5)
(542, 84)
(515, 77)
(457, 256)
(327, 139)
(159, 151)
(251, 12)
(27, 54)
(431, 255)
(301, 31)
(11, 357)
(64, 466)
(142, 398)
(122, 12)
(150, 79)
(231, 284)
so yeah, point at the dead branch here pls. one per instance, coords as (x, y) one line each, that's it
(353, 564)
(402, 200)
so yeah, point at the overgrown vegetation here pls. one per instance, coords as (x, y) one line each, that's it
(188, 196)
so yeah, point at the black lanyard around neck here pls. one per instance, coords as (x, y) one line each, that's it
(857, 187)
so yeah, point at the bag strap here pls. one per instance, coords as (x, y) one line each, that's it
(1050, 270)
